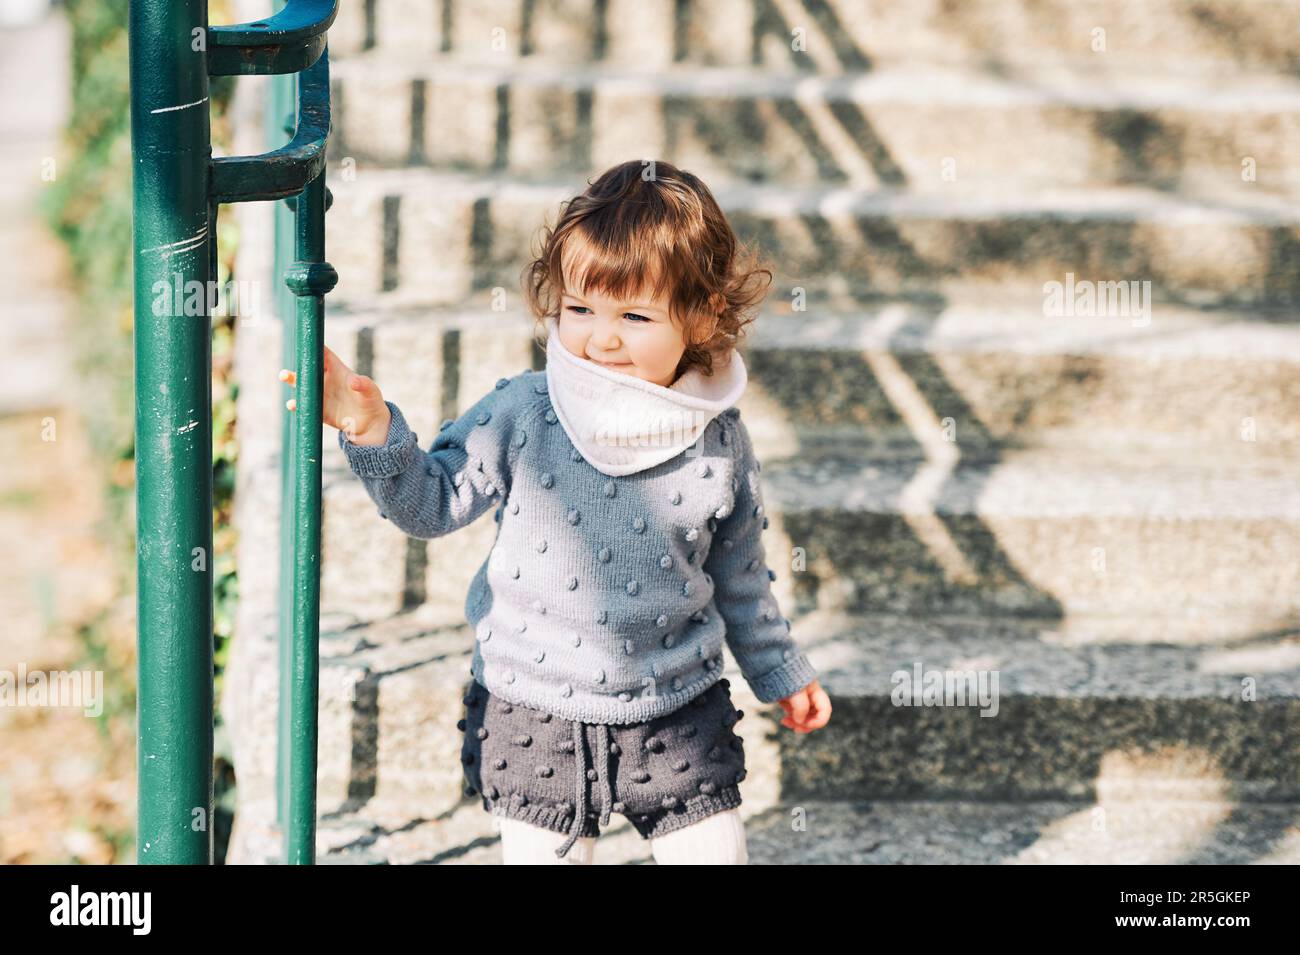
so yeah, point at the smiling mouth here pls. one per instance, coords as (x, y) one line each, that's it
(611, 364)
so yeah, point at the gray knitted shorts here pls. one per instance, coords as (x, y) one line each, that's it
(661, 774)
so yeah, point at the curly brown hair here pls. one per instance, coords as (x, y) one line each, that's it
(646, 226)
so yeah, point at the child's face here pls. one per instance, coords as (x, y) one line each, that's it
(634, 336)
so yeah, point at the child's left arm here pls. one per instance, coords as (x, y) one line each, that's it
(757, 634)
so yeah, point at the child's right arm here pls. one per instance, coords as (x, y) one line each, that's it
(465, 472)
(424, 493)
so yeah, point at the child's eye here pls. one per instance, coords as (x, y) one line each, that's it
(583, 310)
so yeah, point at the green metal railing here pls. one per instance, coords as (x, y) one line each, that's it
(178, 188)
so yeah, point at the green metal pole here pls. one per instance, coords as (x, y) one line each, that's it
(172, 229)
(281, 116)
(309, 278)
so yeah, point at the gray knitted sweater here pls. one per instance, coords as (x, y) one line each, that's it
(603, 599)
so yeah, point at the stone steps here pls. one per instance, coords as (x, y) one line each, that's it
(415, 237)
(392, 688)
(1099, 511)
(884, 376)
(997, 376)
(929, 128)
(1216, 37)
(884, 832)
(1080, 712)
(1076, 716)
(1039, 534)
(1125, 482)
(1080, 709)
(1204, 552)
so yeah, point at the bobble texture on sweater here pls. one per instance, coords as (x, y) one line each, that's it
(604, 599)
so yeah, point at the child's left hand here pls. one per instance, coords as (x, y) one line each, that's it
(807, 710)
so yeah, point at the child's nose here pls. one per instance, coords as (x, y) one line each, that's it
(605, 334)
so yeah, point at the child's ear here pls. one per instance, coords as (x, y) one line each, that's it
(704, 325)
(714, 323)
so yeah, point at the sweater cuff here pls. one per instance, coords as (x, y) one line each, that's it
(382, 460)
(786, 680)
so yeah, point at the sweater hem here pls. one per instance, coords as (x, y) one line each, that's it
(647, 825)
(618, 713)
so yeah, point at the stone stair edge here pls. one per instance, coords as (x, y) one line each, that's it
(1095, 476)
(1107, 203)
(1138, 830)
(921, 82)
(1049, 484)
(876, 33)
(957, 326)
(857, 654)
(1071, 658)
(1141, 828)
(851, 474)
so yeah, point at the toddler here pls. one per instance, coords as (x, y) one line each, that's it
(629, 543)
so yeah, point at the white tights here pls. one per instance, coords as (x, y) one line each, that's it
(718, 839)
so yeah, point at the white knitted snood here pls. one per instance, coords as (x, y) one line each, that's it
(622, 424)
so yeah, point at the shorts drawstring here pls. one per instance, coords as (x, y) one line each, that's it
(582, 774)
